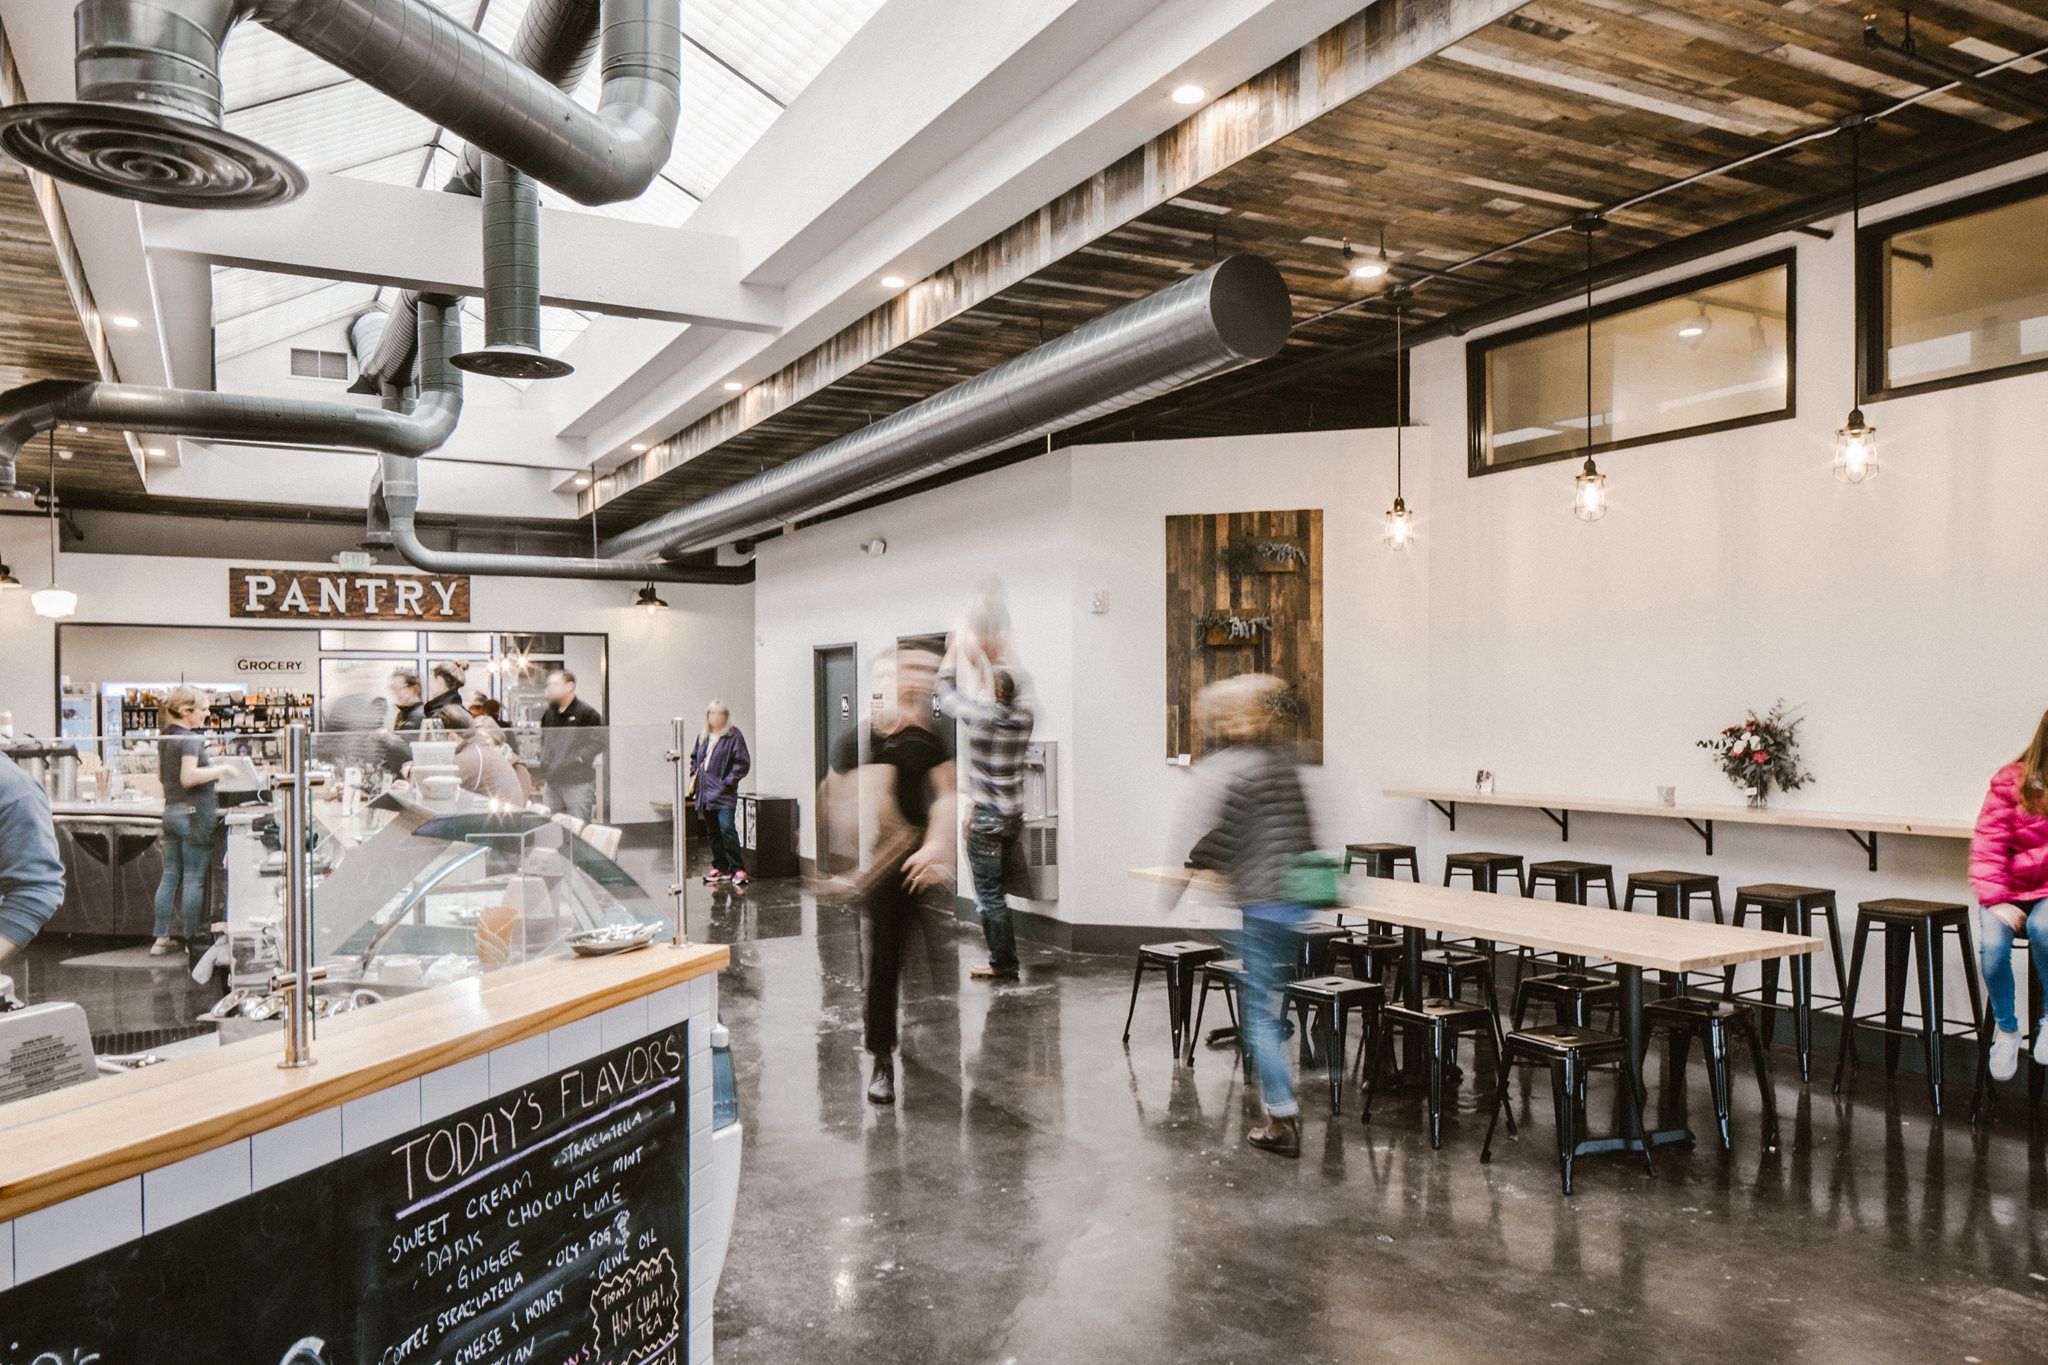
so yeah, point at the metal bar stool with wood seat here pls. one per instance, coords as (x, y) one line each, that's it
(1915, 930)
(1686, 1017)
(1383, 860)
(1369, 954)
(1984, 1099)
(1178, 961)
(1788, 909)
(1224, 974)
(1673, 894)
(1570, 1054)
(1486, 870)
(1444, 1020)
(1324, 1005)
(1571, 882)
(1318, 948)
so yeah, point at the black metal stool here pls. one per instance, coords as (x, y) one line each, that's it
(1178, 961)
(1692, 1016)
(1368, 954)
(1224, 974)
(1912, 929)
(1445, 1020)
(1383, 860)
(1571, 882)
(1444, 970)
(1984, 1099)
(1318, 948)
(1673, 894)
(1570, 1053)
(1486, 870)
(1789, 909)
(1571, 994)
(1324, 1005)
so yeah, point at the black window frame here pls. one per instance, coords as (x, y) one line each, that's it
(1476, 352)
(1872, 307)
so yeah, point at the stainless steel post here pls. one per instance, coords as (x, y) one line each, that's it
(679, 759)
(296, 978)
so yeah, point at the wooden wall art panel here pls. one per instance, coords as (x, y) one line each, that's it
(1244, 594)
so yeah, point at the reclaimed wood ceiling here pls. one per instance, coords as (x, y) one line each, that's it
(1561, 107)
(41, 337)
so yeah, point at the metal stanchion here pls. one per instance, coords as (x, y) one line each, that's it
(679, 759)
(296, 978)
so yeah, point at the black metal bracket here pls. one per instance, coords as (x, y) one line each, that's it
(1868, 845)
(1705, 831)
(1562, 819)
(1447, 809)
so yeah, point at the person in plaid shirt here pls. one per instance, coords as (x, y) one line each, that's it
(998, 728)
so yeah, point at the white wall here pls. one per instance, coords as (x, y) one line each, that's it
(661, 666)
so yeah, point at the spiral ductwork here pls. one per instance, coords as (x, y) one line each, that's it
(147, 124)
(1232, 314)
(511, 279)
(35, 408)
(394, 504)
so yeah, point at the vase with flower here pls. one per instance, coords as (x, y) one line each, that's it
(1761, 752)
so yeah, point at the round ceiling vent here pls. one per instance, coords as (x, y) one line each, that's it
(512, 362)
(137, 153)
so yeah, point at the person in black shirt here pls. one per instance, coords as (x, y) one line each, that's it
(447, 678)
(908, 781)
(405, 695)
(191, 820)
(571, 741)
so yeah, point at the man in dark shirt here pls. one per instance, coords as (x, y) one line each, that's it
(405, 695)
(908, 782)
(571, 741)
(31, 871)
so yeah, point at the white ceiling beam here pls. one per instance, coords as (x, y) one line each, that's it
(343, 229)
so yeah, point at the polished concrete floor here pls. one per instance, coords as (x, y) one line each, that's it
(1040, 1194)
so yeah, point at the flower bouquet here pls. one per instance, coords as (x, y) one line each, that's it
(1761, 752)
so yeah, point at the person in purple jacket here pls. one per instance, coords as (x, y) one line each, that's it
(717, 764)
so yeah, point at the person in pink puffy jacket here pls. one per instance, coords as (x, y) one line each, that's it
(2009, 873)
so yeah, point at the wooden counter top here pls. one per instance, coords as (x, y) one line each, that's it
(58, 1146)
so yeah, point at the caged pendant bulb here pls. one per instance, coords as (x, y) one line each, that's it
(1589, 493)
(1400, 525)
(1856, 449)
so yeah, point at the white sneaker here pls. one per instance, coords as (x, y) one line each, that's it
(2005, 1055)
(163, 946)
(2041, 1043)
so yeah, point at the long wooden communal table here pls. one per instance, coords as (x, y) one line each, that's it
(1633, 943)
(1864, 829)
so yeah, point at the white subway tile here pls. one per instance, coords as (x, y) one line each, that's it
(520, 1063)
(700, 1154)
(196, 1185)
(379, 1117)
(700, 1303)
(64, 1234)
(277, 1154)
(454, 1087)
(668, 1006)
(6, 1255)
(574, 1044)
(710, 993)
(623, 1024)
(700, 1344)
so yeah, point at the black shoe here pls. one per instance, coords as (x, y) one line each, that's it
(1282, 1137)
(882, 1089)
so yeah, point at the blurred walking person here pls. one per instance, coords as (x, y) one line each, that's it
(907, 782)
(1251, 815)
(571, 742)
(998, 729)
(717, 764)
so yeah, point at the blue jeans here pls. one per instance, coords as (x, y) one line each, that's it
(721, 830)
(1272, 950)
(188, 852)
(571, 798)
(990, 835)
(1994, 952)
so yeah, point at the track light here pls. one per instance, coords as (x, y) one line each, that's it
(1696, 328)
(1366, 267)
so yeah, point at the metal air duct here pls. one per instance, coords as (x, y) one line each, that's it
(1232, 314)
(557, 41)
(511, 280)
(147, 124)
(35, 408)
(395, 501)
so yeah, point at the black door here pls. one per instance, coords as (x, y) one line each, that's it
(836, 707)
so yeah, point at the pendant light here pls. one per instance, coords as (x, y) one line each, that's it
(7, 578)
(53, 602)
(1856, 442)
(650, 600)
(1589, 488)
(1400, 520)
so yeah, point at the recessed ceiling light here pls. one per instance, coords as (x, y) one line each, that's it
(583, 481)
(1692, 329)
(733, 386)
(81, 430)
(639, 446)
(64, 454)
(122, 320)
(892, 281)
(156, 452)
(1189, 94)
(1368, 270)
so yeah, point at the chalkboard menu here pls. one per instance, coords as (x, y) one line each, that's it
(547, 1226)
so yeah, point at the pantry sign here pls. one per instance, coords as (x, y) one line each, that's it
(346, 595)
